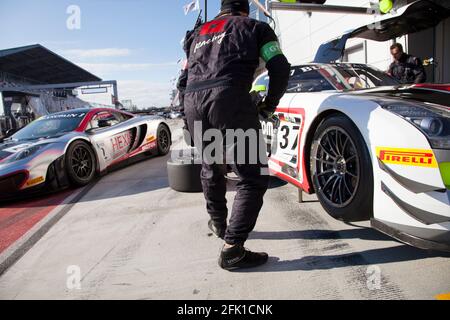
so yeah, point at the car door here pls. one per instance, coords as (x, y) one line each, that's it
(113, 140)
(284, 132)
(287, 125)
(414, 17)
(281, 133)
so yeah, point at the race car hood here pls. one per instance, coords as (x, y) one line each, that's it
(409, 93)
(11, 147)
(415, 17)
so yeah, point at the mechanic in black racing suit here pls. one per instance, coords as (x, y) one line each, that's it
(406, 68)
(223, 56)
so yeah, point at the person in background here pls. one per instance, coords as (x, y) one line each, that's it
(406, 68)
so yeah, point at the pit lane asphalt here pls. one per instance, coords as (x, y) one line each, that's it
(134, 238)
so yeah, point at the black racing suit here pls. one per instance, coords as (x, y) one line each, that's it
(223, 56)
(408, 69)
(182, 79)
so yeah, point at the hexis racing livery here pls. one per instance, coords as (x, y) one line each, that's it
(72, 147)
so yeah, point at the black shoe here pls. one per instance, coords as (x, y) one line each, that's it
(218, 230)
(238, 257)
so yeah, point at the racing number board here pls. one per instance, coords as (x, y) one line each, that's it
(282, 134)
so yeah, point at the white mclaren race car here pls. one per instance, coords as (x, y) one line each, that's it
(368, 147)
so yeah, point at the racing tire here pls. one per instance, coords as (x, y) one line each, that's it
(164, 140)
(81, 163)
(184, 175)
(341, 170)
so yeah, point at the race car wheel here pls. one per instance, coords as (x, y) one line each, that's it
(341, 170)
(164, 140)
(80, 163)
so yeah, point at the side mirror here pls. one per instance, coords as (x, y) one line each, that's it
(104, 123)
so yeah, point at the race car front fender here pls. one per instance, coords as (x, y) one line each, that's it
(409, 190)
(34, 167)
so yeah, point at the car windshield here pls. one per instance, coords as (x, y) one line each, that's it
(316, 78)
(359, 76)
(307, 79)
(50, 126)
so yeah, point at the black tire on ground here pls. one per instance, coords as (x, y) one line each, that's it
(184, 175)
(341, 170)
(164, 140)
(80, 163)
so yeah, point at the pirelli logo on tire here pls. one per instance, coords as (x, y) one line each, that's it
(407, 157)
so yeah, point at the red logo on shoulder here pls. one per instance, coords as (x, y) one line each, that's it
(212, 27)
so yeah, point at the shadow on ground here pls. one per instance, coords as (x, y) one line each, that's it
(137, 181)
(380, 256)
(361, 233)
(397, 253)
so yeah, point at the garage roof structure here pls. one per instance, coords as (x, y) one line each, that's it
(43, 66)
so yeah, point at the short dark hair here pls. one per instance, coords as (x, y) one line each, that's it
(397, 46)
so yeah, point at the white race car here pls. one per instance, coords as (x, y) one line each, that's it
(369, 148)
(73, 147)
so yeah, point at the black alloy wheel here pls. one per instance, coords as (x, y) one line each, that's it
(341, 170)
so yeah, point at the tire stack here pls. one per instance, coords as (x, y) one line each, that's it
(184, 172)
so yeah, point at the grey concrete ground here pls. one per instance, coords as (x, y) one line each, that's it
(132, 237)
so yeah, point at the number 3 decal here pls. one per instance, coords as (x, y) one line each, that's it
(286, 131)
(285, 144)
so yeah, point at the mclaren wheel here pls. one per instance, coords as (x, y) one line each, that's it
(80, 163)
(341, 170)
(164, 140)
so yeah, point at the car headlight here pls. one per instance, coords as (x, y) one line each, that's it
(28, 152)
(433, 121)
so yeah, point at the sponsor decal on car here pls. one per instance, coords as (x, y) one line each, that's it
(63, 116)
(35, 181)
(444, 296)
(149, 146)
(407, 157)
(120, 143)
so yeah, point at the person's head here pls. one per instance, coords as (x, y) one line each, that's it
(397, 51)
(235, 6)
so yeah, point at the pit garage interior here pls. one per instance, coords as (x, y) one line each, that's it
(303, 26)
(35, 81)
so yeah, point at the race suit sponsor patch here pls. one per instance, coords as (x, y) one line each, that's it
(215, 26)
(407, 157)
(215, 39)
